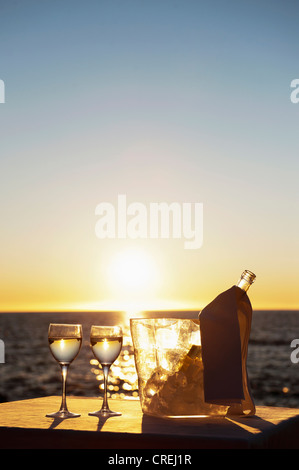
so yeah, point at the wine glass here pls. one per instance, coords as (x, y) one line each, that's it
(106, 344)
(65, 343)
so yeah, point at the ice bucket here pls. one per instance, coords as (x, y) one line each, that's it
(170, 369)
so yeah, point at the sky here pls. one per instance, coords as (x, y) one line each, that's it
(183, 101)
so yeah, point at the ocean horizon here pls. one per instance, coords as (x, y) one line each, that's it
(29, 370)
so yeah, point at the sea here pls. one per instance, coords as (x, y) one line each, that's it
(30, 371)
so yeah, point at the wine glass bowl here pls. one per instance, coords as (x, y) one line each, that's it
(64, 342)
(106, 344)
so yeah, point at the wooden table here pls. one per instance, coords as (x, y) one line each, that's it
(23, 425)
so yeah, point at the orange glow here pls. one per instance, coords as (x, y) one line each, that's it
(138, 276)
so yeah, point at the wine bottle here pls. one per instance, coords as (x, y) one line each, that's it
(225, 326)
(246, 406)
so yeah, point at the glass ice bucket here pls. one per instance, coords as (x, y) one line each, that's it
(170, 369)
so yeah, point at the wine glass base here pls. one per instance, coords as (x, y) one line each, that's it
(63, 415)
(104, 413)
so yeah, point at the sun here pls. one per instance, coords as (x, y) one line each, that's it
(131, 270)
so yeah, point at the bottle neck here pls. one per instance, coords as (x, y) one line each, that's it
(247, 278)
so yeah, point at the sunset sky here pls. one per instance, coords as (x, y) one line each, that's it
(182, 101)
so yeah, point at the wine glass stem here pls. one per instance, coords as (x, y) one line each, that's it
(64, 371)
(105, 400)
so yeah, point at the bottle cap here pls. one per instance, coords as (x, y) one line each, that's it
(248, 276)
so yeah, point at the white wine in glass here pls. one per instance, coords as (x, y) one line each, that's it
(106, 343)
(65, 343)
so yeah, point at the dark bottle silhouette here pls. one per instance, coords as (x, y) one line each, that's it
(225, 326)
